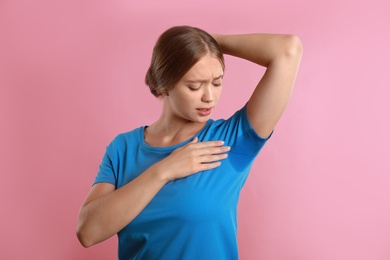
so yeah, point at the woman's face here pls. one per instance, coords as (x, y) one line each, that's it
(197, 93)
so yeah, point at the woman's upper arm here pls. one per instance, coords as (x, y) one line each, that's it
(270, 98)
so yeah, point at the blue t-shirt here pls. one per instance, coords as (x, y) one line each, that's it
(189, 218)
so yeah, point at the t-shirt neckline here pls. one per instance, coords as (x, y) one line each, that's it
(167, 148)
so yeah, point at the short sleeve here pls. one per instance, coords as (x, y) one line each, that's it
(107, 172)
(238, 133)
(248, 127)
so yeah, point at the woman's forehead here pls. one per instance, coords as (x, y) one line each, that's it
(207, 68)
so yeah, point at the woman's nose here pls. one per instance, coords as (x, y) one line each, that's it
(208, 95)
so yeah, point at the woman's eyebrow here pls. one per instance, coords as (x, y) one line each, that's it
(220, 77)
(203, 80)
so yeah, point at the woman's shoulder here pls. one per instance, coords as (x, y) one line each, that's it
(126, 138)
(237, 115)
(131, 132)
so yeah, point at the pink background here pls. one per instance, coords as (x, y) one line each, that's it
(71, 77)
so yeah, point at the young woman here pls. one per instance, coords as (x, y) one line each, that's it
(170, 190)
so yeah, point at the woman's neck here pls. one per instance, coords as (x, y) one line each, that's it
(169, 131)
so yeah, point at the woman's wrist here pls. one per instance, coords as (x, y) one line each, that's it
(217, 37)
(159, 172)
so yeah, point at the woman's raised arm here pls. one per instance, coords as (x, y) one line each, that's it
(281, 55)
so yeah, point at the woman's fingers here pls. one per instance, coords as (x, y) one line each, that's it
(210, 154)
(209, 147)
(195, 157)
(213, 158)
(209, 166)
(206, 144)
(210, 151)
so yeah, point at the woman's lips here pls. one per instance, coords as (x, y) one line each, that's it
(204, 111)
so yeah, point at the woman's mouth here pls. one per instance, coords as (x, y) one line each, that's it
(204, 111)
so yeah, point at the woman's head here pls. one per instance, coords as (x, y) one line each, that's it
(177, 50)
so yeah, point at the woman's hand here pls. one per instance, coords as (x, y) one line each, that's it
(192, 158)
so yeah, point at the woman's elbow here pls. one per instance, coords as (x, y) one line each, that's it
(293, 46)
(83, 239)
(84, 236)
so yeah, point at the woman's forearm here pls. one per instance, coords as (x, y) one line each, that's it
(260, 48)
(106, 211)
(103, 217)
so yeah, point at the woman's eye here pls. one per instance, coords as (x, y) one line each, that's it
(217, 84)
(192, 88)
